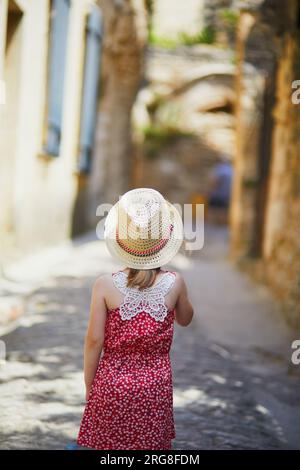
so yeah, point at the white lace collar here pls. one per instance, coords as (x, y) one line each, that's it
(149, 300)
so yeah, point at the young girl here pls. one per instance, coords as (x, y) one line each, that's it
(129, 389)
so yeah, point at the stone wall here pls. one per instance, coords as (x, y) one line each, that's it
(211, 9)
(184, 119)
(282, 232)
(180, 170)
(172, 18)
(45, 199)
(265, 215)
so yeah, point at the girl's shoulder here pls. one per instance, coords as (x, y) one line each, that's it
(107, 281)
(103, 281)
(179, 283)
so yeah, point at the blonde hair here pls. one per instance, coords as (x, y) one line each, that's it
(141, 278)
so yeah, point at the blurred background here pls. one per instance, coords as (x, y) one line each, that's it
(191, 98)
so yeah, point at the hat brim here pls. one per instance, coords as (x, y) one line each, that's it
(162, 257)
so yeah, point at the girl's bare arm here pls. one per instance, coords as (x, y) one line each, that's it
(94, 338)
(183, 309)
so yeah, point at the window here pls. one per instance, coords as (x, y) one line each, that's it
(56, 74)
(90, 89)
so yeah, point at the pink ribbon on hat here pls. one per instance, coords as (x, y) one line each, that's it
(149, 251)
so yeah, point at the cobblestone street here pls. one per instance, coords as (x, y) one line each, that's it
(234, 384)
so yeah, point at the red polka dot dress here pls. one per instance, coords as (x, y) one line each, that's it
(130, 405)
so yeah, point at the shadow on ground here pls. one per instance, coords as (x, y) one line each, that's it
(227, 394)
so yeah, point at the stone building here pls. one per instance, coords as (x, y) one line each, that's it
(265, 215)
(69, 70)
(46, 54)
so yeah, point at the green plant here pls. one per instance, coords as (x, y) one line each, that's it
(156, 138)
(230, 17)
(234, 60)
(205, 36)
(161, 41)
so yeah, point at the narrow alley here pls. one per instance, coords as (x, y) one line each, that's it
(234, 384)
(198, 101)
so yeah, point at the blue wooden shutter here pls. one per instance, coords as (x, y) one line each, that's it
(90, 89)
(57, 64)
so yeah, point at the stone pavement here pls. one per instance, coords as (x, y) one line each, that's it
(234, 385)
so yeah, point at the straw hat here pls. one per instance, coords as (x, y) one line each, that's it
(143, 230)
